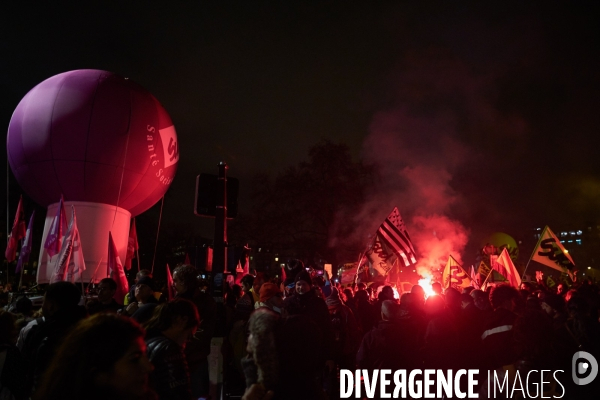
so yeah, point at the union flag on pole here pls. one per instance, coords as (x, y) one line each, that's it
(550, 252)
(57, 230)
(70, 263)
(170, 283)
(26, 247)
(132, 246)
(507, 269)
(116, 271)
(380, 260)
(17, 233)
(454, 275)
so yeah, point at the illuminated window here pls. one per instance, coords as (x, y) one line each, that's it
(561, 234)
(570, 241)
(578, 241)
(572, 233)
(579, 232)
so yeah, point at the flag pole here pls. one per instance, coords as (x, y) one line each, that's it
(362, 257)
(534, 249)
(487, 277)
(157, 232)
(96, 270)
(22, 268)
(137, 250)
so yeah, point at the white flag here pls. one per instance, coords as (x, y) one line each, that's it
(70, 263)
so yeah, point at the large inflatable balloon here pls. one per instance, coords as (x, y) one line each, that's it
(100, 140)
(501, 241)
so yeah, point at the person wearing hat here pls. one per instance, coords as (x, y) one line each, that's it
(270, 297)
(306, 302)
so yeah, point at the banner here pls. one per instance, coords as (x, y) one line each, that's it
(454, 275)
(70, 263)
(550, 252)
(26, 247)
(57, 230)
(132, 246)
(116, 271)
(380, 260)
(17, 233)
(507, 269)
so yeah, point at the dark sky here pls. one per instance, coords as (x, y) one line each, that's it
(489, 109)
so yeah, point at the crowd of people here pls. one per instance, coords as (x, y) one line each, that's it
(285, 340)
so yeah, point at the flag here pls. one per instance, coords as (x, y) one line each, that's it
(246, 259)
(380, 260)
(170, 283)
(507, 269)
(26, 247)
(454, 275)
(70, 263)
(550, 252)
(187, 259)
(394, 235)
(17, 233)
(483, 270)
(132, 246)
(77, 261)
(474, 279)
(116, 271)
(57, 230)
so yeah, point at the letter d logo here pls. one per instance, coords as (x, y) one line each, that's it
(580, 368)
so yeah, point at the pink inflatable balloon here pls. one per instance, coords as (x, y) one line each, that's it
(92, 136)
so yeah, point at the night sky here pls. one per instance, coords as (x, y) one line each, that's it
(484, 113)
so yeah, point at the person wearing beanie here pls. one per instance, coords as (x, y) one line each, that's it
(346, 334)
(270, 297)
(306, 302)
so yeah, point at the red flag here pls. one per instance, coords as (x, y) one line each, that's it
(132, 245)
(506, 268)
(57, 230)
(170, 283)
(17, 233)
(116, 271)
(26, 247)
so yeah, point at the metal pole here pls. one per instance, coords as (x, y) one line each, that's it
(7, 215)
(218, 269)
(137, 250)
(220, 238)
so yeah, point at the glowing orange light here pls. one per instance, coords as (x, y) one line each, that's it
(425, 283)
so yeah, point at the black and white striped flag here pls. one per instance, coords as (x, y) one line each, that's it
(393, 233)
